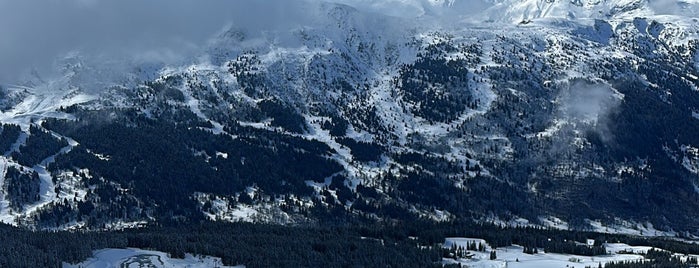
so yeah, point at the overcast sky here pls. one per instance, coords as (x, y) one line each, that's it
(34, 33)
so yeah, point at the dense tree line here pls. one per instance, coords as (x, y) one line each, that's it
(657, 259)
(535, 237)
(571, 247)
(283, 116)
(437, 87)
(22, 188)
(415, 243)
(8, 136)
(363, 151)
(165, 163)
(250, 244)
(39, 145)
(337, 126)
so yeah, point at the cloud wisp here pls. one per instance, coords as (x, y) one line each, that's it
(588, 105)
(34, 34)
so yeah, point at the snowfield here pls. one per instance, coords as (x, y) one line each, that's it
(133, 257)
(513, 256)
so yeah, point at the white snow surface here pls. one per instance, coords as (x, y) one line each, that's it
(133, 257)
(690, 160)
(513, 256)
(629, 228)
(523, 11)
(43, 101)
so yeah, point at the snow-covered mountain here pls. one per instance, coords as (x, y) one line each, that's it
(518, 11)
(570, 114)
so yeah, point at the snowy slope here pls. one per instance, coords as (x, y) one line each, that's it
(42, 102)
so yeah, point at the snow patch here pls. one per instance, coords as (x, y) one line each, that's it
(43, 102)
(134, 257)
(690, 160)
(72, 186)
(222, 155)
(554, 222)
(123, 225)
(630, 228)
(513, 256)
(264, 209)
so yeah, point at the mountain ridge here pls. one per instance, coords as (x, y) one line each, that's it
(550, 123)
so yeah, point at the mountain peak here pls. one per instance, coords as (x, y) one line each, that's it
(524, 10)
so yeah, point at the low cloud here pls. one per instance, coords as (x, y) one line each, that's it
(436, 10)
(588, 104)
(674, 7)
(585, 101)
(665, 6)
(34, 34)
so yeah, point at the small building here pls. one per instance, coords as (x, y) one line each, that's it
(590, 242)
